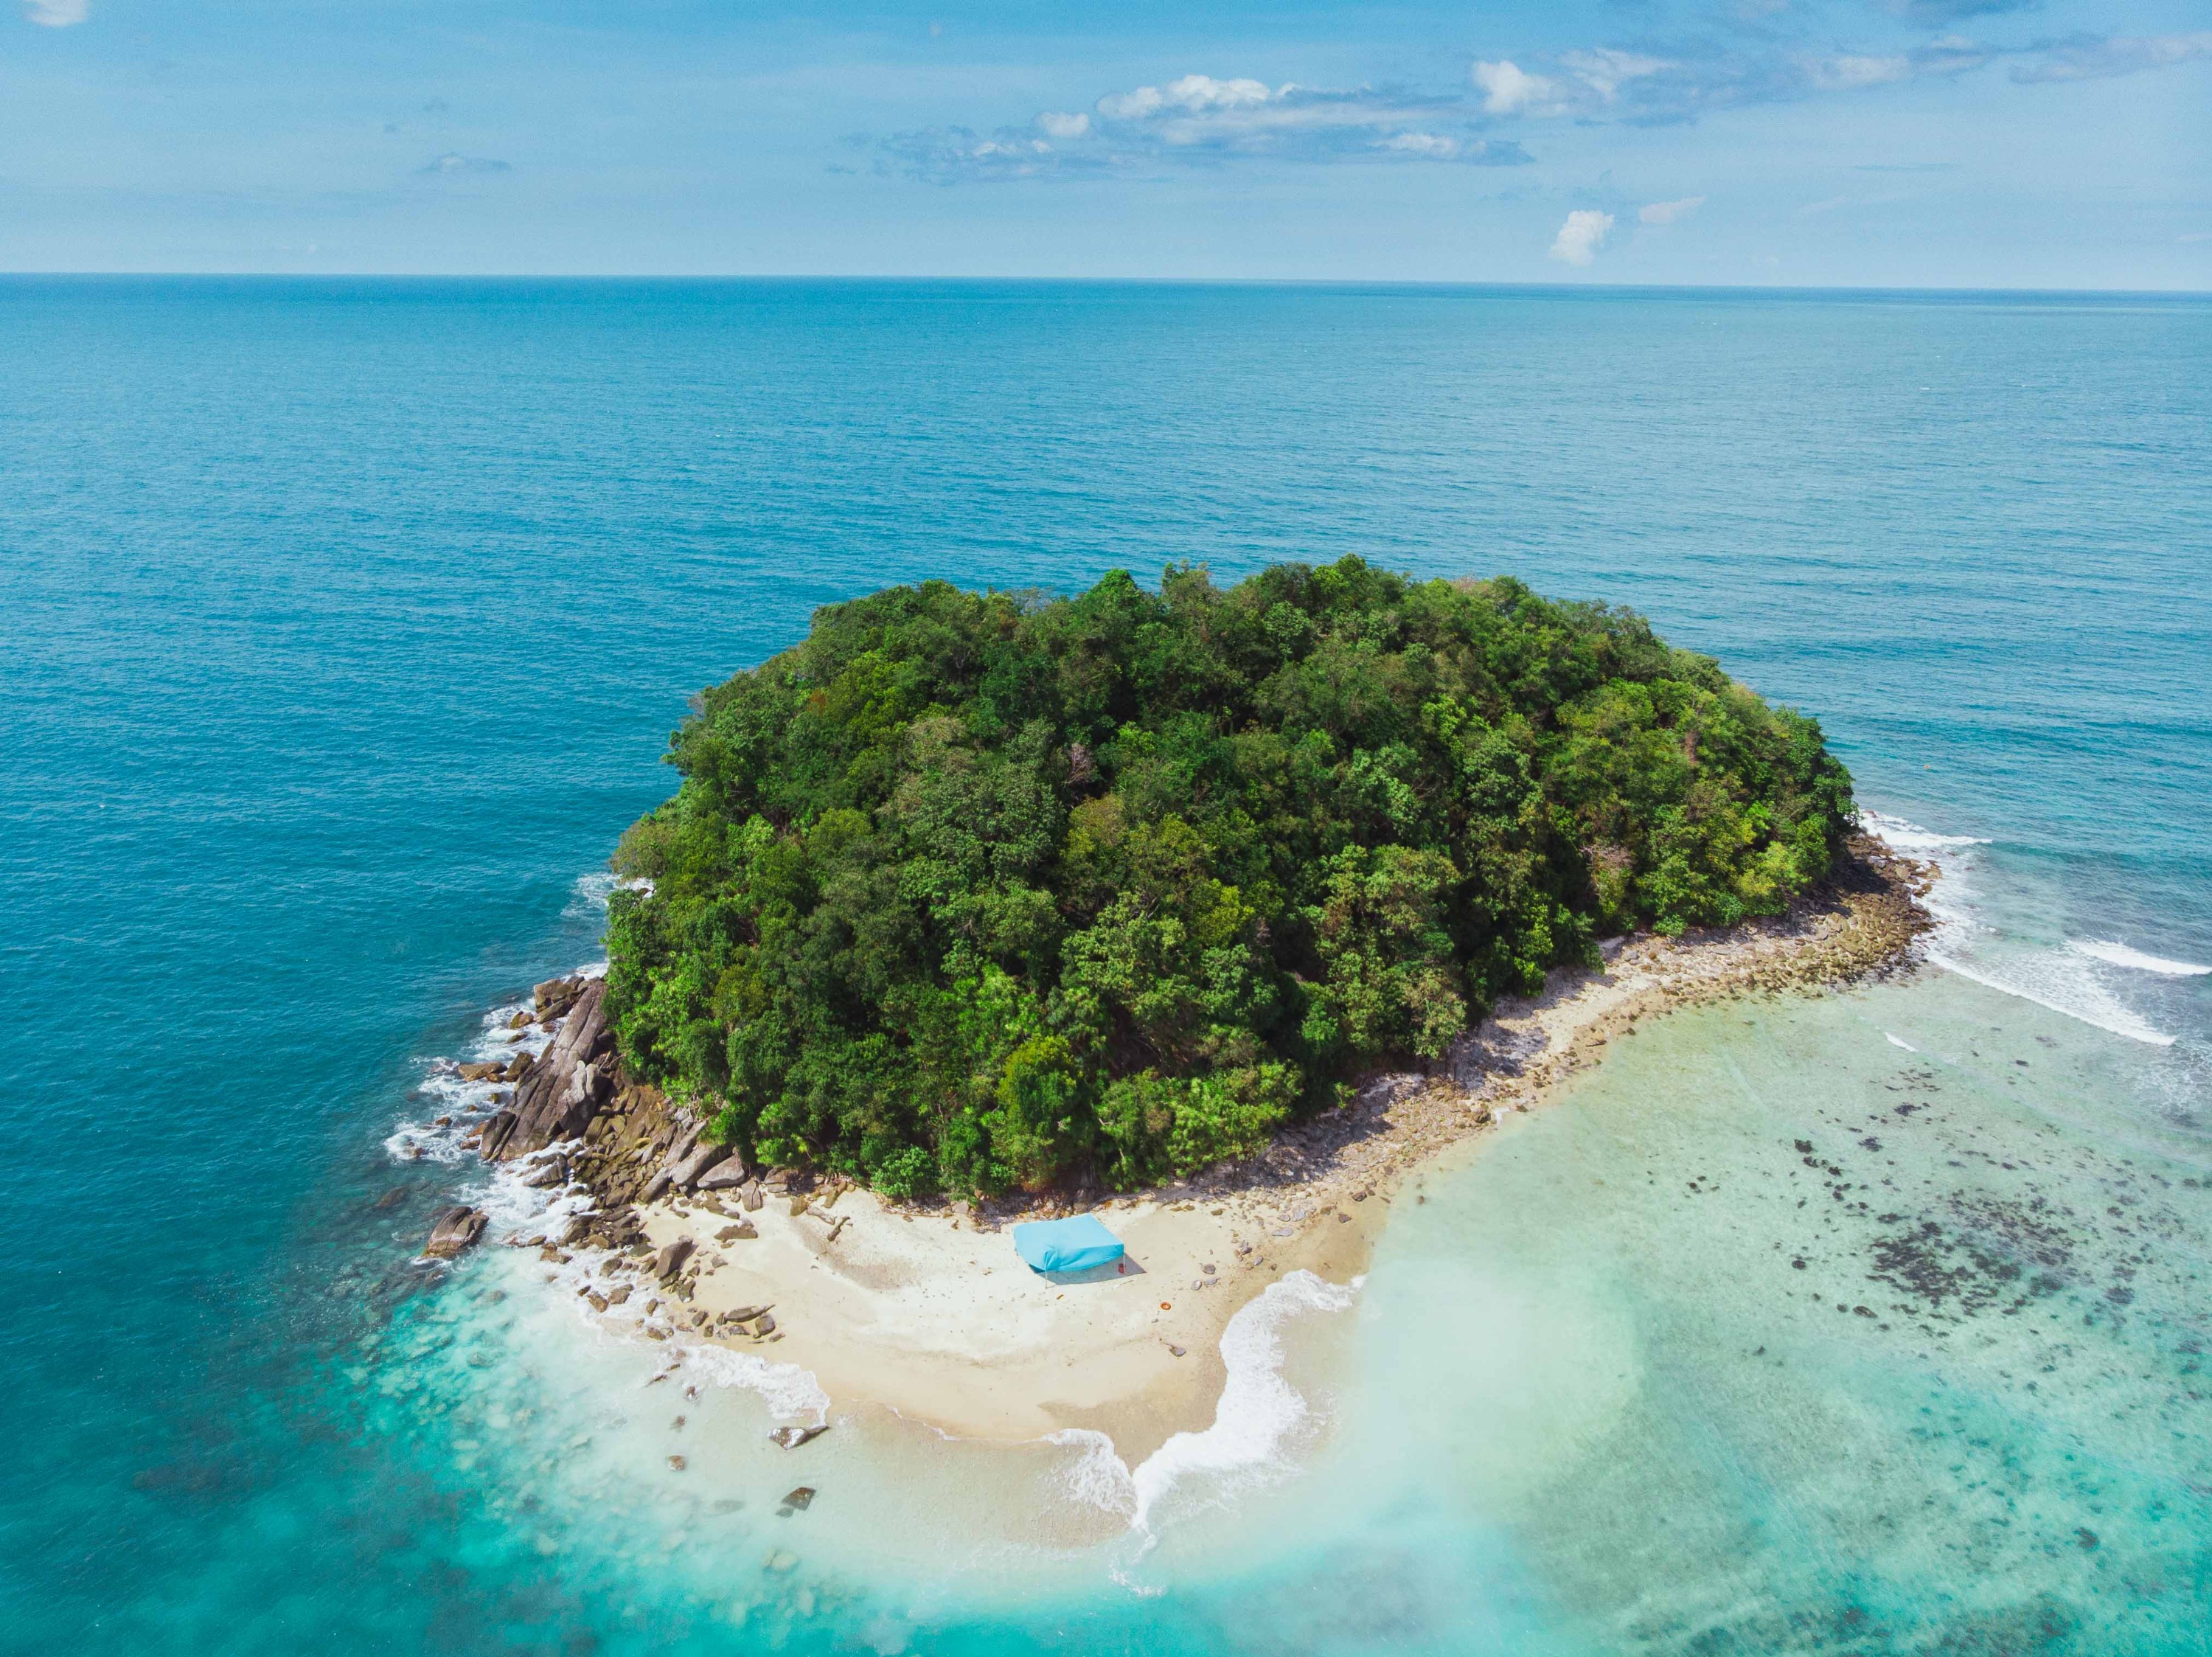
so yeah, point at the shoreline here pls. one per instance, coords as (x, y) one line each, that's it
(926, 1310)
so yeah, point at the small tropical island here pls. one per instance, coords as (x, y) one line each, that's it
(1213, 910)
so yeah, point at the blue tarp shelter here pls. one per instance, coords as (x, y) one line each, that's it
(1076, 1244)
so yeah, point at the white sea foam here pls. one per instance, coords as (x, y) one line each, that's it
(2118, 954)
(791, 1392)
(2063, 981)
(1097, 1477)
(1259, 1410)
(1899, 1041)
(590, 892)
(1911, 838)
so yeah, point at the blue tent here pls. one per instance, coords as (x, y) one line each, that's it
(1075, 1244)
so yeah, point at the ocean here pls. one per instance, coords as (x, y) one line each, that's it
(345, 623)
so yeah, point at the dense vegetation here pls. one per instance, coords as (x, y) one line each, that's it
(970, 890)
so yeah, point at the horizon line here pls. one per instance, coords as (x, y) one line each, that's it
(1410, 282)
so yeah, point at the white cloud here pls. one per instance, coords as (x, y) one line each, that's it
(1669, 212)
(1195, 94)
(1581, 236)
(1606, 70)
(2091, 59)
(57, 14)
(1201, 120)
(450, 164)
(1849, 71)
(1506, 86)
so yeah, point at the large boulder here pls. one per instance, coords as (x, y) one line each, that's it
(457, 1229)
(704, 1157)
(726, 1174)
(671, 1259)
(561, 1093)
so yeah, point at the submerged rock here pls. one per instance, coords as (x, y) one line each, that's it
(792, 1437)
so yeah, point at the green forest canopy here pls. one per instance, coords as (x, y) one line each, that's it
(973, 891)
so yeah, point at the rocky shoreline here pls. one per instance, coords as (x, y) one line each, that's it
(576, 1122)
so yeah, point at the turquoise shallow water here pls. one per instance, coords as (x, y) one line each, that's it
(345, 622)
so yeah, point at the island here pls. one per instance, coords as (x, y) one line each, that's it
(1215, 912)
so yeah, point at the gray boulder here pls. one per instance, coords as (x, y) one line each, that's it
(457, 1229)
(671, 1259)
(728, 1174)
(704, 1157)
(560, 1094)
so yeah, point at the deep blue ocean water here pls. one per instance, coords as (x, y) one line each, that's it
(344, 625)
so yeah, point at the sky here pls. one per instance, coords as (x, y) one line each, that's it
(1977, 143)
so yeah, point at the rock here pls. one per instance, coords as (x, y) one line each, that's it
(519, 1021)
(494, 1071)
(551, 1172)
(780, 1561)
(599, 1301)
(561, 1093)
(792, 1437)
(744, 1231)
(727, 1173)
(676, 1463)
(758, 1327)
(798, 1206)
(518, 1067)
(457, 1229)
(492, 1141)
(578, 1228)
(671, 1259)
(749, 1196)
(683, 1172)
(655, 1188)
(799, 1500)
(391, 1199)
(619, 1295)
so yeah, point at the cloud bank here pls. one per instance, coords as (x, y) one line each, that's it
(57, 14)
(1199, 119)
(2090, 58)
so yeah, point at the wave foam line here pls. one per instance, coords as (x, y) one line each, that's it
(2101, 1011)
(2114, 954)
(2058, 981)
(1258, 1409)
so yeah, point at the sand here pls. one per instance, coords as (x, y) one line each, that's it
(934, 1316)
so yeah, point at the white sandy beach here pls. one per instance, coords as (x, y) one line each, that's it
(926, 1314)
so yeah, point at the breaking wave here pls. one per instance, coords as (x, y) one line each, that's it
(2064, 980)
(2118, 954)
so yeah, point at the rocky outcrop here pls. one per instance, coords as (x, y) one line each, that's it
(561, 1093)
(726, 1174)
(704, 1158)
(457, 1229)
